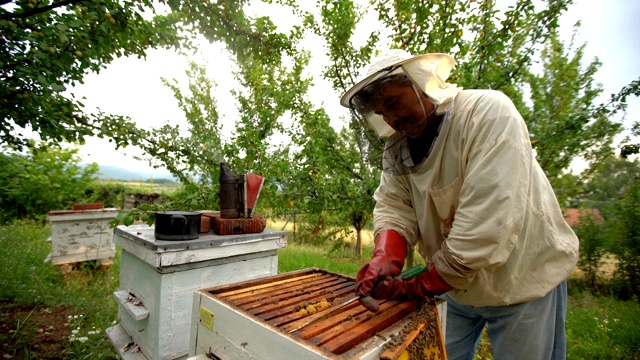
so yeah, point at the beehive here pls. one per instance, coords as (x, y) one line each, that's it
(81, 235)
(253, 319)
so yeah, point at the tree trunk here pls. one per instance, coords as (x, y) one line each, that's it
(359, 242)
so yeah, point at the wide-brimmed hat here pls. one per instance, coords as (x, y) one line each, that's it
(428, 71)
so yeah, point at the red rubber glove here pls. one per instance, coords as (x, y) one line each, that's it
(387, 260)
(427, 284)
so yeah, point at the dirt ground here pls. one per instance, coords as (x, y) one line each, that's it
(33, 332)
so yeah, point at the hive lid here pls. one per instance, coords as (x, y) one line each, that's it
(140, 241)
(82, 214)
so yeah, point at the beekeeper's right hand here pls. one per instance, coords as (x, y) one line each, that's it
(387, 260)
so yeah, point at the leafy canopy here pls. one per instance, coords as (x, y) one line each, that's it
(49, 46)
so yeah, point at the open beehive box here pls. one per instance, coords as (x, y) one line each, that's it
(254, 319)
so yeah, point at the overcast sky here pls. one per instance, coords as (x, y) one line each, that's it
(132, 87)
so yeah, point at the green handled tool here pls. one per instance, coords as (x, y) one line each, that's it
(405, 275)
(411, 273)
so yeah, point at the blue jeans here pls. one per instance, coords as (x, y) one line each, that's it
(531, 330)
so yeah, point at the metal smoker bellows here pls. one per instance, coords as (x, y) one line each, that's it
(238, 198)
(238, 195)
(231, 193)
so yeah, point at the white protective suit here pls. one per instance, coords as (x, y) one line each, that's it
(479, 206)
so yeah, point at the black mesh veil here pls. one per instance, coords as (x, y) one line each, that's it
(397, 158)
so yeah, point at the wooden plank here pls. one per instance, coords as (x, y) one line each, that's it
(124, 345)
(394, 352)
(337, 325)
(366, 328)
(300, 300)
(440, 335)
(278, 301)
(82, 257)
(296, 306)
(336, 319)
(290, 289)
(273, 296)
(138, 312)
(268, 286)
(292, 313)
(219, 291)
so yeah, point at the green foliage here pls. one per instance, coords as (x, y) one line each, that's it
(612, 188)
(42, 180)
(142, 212)
(628, 245)
(618, 103)
(564, 121)
(161, 181)
(48, 47)
(630, 149)
(607, 182)
(590, 232)
(111, 195)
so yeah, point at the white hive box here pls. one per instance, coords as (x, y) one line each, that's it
(158, 280)
(81, 235)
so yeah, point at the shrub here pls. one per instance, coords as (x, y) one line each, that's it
(42, 180)
(590, 232)
(627, 276)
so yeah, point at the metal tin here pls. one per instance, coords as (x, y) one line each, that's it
(177, 225)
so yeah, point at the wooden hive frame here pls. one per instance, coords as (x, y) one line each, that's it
(279, 304)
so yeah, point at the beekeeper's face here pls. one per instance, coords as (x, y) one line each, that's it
(405, 109)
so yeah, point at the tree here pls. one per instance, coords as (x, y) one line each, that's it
(40, 181)
(590, 232)
(490, 54)
(489, 51)
(565, 121)
(608, 183)
(612, 188)
(628, 245)
(48, 47)
(283, 135)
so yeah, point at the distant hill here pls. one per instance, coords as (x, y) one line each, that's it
(116, 173)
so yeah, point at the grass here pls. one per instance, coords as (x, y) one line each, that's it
(40, 307)
(295, 257)
(44, 314)
(602, 328)
(145, 187)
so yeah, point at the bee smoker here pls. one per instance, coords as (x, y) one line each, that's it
(238, 194)
(231, 194)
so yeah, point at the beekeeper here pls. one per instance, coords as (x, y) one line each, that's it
(460, 181)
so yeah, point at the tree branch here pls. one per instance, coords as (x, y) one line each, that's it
(36, 11)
